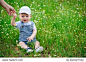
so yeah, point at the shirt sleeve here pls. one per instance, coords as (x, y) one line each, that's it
(17, 24)
(34, 27)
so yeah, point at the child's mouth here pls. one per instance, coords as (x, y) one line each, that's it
(25, 20)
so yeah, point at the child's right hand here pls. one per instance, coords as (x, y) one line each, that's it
(14, 15)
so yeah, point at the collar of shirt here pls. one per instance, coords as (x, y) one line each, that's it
(28, 23)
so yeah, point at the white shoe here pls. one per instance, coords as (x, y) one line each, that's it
(39, 49)
(29, 50)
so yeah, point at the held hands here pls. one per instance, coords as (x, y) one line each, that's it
(29, 39)
(14, 15)
(10, 9)
(7, 7)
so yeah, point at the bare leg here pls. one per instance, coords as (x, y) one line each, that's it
(38, 47)
(23, 45)
(37, 44)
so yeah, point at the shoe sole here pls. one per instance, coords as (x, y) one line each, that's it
(30, 51)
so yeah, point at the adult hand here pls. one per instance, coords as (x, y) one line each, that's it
(10, 10)
(6, 6)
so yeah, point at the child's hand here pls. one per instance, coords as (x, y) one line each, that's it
(13, 14)
(29, 39)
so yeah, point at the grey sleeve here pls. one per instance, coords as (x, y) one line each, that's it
(18, 24)
(34, 27)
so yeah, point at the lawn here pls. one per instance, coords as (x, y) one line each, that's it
(61, 28)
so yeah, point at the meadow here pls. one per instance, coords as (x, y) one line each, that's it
(61, 28)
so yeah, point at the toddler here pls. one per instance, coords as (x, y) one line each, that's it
(27, 29)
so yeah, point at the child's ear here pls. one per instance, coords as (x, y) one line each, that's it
(19, 16)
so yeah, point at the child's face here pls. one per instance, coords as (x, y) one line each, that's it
(24, 17)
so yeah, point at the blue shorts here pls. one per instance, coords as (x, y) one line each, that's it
(26, 42)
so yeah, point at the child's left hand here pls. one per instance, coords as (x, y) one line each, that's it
(29, 39)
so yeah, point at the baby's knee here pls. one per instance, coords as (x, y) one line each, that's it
(37, 42)
(20, 43)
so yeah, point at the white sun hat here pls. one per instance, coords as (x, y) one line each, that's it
(25, 9)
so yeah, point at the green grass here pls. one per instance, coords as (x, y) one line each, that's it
(61, 28)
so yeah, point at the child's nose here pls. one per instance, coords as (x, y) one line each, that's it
(24, 17)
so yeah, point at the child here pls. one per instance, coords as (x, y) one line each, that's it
(27, 29)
